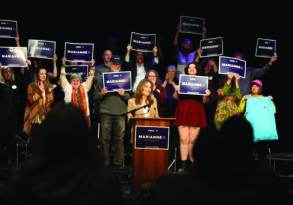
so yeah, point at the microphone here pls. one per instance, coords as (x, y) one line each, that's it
(144, 106)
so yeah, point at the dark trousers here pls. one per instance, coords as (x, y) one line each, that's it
(112, 128)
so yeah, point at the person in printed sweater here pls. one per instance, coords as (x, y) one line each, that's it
(228, 98)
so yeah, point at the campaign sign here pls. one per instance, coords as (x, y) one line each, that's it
(265, 48)
(234, 65)
(115, 81)
(13, 56)
(211, 47)
(193, 84)
(81, 70)
(79, 52)
(8, 29)
(151, 137)
(142, 42)
(193, 25)
(41, 49)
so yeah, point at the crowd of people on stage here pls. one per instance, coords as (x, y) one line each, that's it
(31, 99)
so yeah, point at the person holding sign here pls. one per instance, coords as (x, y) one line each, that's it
(158, 90)
(76, 92)
(112, 109)
(185, 53)
(190, 117)
(139, 67)
(252, 73)
(39, 101)
(228, 98)
(260, 112)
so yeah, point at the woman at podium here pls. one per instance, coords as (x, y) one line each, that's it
(143, 104)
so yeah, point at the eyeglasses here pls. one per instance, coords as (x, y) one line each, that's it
(153, 76)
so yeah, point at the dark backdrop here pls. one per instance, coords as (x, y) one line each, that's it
(107, 22)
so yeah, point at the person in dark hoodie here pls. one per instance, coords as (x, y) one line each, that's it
(65, 167)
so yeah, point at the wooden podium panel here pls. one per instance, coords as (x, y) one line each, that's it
(148, 163)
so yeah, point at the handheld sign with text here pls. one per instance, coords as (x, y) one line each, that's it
(115, 81)
(142, 42)
(234, 65)
(81, 70)
(41, 49)
(211, 47)
(193, 84)
(193, 25)
(150, 137)
(265, 48)
(13, 56)
(79, 52)
(8, 29)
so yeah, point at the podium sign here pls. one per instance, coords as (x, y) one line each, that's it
(150, 137)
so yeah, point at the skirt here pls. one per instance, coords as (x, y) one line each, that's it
(190, 112)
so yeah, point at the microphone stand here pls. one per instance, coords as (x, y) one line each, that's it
(134, 110)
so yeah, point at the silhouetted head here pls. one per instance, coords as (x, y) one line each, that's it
(237, 133)
(64, 135)
(238, 55)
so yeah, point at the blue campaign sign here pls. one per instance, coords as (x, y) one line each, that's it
(8, 29)
(193, 84)
(81, 70)
(41, 49)
(79, 52)
(211, 47)
(193, 25)
(13, 56)
(114, 81)
(151, 137)
(233, 65)
(265, 48)
(142, 42)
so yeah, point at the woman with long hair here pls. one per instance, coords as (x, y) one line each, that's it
(39, 101)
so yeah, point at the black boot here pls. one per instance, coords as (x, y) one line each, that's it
(184, 166)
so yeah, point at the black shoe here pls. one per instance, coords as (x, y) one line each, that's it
(184, 167)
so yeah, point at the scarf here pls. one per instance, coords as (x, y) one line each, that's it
(78, 99)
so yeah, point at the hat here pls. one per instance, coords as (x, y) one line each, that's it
(116, 59)
(256, 82)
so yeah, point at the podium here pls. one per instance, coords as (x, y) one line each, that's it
(148, 163)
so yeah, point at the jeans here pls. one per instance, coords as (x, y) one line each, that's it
(113, 126)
